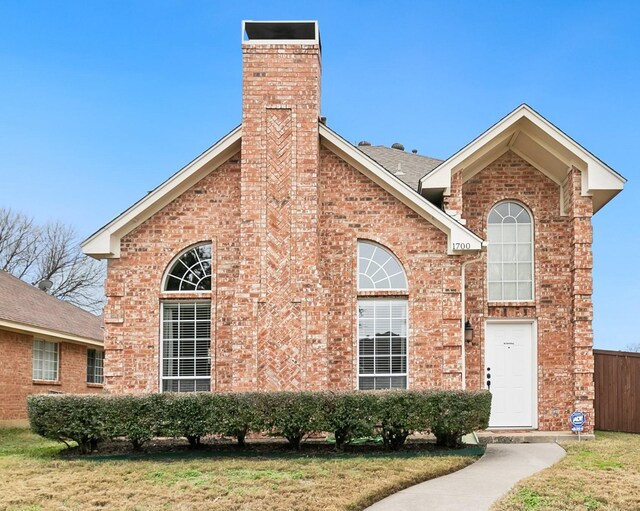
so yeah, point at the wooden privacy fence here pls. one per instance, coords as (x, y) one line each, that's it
(617, 381)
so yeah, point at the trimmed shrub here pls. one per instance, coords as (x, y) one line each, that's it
(88, 419)
(189, 415)
(293, 415)
(400, 413)
(239, 415)
(350, 415)
(455, 413)
(65, 418)
(138, 418)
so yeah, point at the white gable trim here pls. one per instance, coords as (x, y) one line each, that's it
(105, 243)
(460, 239)
(525, 126)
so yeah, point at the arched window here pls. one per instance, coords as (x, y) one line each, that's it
(382, 321)
(186, 324)
(191, 271)
(378, 268)
(510, 253)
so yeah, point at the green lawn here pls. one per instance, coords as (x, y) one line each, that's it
(601, 475)
(35, 477)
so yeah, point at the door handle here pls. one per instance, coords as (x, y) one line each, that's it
(488, 378)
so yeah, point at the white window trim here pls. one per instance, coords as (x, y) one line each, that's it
(402, 290)
(405, 300)
(167, 271)
(533, 258)
(33, 353)
(162, 377)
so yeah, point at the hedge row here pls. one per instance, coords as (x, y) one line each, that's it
(89, 419)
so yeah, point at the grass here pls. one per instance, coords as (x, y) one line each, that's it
(34, 478)
(602, 475)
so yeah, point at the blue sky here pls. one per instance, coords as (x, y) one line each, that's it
(101, 101)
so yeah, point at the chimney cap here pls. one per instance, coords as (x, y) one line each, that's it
(280, 32)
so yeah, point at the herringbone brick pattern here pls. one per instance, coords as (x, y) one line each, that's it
(280, 337)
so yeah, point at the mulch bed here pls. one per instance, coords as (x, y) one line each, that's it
(259, 447)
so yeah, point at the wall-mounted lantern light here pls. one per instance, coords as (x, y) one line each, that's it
(468, 331)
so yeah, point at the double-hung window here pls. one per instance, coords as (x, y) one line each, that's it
(46, 360)
(185, 333)
(382, 319)
(95, 366)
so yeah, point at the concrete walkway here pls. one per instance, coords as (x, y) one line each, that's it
(477, 486)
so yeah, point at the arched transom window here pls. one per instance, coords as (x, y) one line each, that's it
(510, 253)
(378, 268)
(382, 320)
(191, 271)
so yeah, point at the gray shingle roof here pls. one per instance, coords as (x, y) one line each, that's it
(28, 305)
(408, 167)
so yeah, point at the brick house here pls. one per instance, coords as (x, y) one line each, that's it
(47, 345)
(284, 257)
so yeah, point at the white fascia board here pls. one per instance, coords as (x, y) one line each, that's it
(105, 243)
(460, 239)
(47, 334)
(598, 175)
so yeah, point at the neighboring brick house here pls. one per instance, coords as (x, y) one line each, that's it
(46, 345)
(285, 257)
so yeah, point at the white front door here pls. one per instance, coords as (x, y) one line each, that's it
(509, 373)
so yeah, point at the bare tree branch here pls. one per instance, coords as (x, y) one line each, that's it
(34, 253)
(635, 346)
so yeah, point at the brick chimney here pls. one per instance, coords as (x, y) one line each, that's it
(278, 315)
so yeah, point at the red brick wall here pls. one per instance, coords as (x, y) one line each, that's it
(510, 177)
(209, 211)
(16, 373)
(352, 208)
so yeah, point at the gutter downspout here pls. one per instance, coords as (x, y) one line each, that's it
(463, 297)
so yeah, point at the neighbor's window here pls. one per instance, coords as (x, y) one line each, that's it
(191, 271)
(186, 346)
(95, 366)
(46, 360)
(382, 322)
(510, 253)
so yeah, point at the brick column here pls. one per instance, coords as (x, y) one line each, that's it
(279, 331)
(580, 211)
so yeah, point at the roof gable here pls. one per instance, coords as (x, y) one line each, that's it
(536, 140)
(105, 243)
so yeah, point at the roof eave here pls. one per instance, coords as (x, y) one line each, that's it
(105, 243)
(48, 334)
